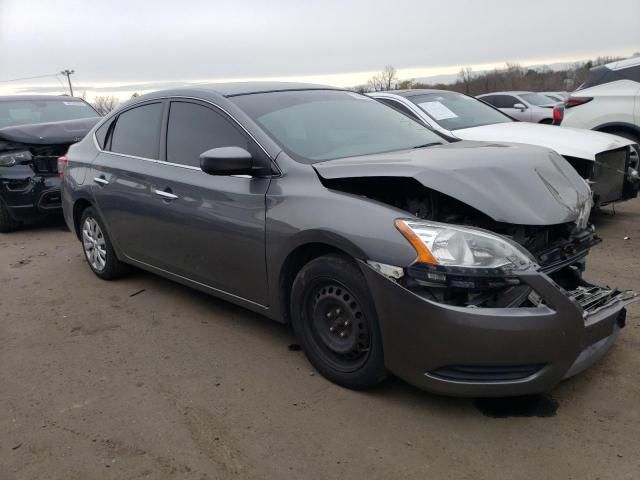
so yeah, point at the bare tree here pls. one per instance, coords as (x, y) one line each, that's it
(466, 75)
(385, 80)
(361, 88)
(104, 104)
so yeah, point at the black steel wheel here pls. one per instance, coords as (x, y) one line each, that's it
(335, 322)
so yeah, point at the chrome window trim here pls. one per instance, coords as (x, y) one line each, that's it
(189, 167)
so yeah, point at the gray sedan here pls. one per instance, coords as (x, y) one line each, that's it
(388, 248)
(524, 106)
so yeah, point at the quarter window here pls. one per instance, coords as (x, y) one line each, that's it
(137, 131)
(194, 129)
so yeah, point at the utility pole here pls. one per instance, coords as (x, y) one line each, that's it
(67, 73)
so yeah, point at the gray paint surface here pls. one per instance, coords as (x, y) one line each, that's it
(232, 236)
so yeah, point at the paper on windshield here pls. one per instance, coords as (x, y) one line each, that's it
(437, 110)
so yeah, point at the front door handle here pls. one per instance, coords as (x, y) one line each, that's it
(165, 195)
(101, 180)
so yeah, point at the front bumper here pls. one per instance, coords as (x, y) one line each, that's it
(29, 196)
(483, 352)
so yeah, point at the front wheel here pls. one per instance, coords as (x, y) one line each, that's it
(334, 320)
(97, 247)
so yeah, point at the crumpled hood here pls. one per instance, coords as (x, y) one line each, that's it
(571, 142)
(517, 184)
(52, 133)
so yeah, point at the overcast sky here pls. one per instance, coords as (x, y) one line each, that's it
(114, 44)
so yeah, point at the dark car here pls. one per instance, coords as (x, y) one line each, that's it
(388, 247)
(35, 130)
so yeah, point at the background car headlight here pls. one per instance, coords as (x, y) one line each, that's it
(11, 158)
(457, 246)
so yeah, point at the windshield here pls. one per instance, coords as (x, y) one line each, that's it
(453, 111)
(536, 99)
(23, 112)
(317, 125)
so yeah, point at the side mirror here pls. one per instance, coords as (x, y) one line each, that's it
(520, 106)
(226, 161)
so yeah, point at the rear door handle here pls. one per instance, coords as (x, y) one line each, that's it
(101, 181)
(165, 195)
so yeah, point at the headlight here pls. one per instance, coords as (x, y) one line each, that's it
(456, 246)
(11, 158)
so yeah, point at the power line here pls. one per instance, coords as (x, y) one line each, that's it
(28, 78)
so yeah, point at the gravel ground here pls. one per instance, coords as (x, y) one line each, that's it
(98, 383)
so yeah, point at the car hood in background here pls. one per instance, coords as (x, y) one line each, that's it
(571, 142)
(52, 133)
(517, 184)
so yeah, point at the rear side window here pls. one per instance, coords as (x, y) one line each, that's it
(490, 99)
(632, 73)
(194, 129)
(137, 131)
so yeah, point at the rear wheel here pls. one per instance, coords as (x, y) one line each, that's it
(98, 249)
(7, 223)
(335, 322)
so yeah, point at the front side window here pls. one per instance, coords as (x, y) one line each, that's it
(24, 112)
(137, 131)
(317, 125)
(454, 111)
(194, 129)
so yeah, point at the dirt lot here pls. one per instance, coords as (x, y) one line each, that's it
(98, 383)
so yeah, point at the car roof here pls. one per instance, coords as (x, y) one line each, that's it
(506, 92)
(232, 89)
(27, 98)
(413, 92)
(620, 64)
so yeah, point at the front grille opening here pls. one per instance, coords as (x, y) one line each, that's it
(475, 373)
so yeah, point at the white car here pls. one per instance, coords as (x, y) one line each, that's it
(524, 106)
(607, 162)
(609, 101)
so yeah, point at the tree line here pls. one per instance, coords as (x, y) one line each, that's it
(511, 77)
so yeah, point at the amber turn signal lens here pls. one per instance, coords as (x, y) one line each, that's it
(424, 254)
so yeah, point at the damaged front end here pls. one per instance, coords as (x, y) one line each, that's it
(29, 179)
(500, 288)
(29, 182)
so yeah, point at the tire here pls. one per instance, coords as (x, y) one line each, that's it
(546, 121)
(7, 223)
(334, 320)
(97, 247)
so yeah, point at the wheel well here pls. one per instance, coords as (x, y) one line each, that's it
(621, 130)
(546, 121)
(79, 207)
(297, 259)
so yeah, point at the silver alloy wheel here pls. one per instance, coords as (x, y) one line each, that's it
(94, 244)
